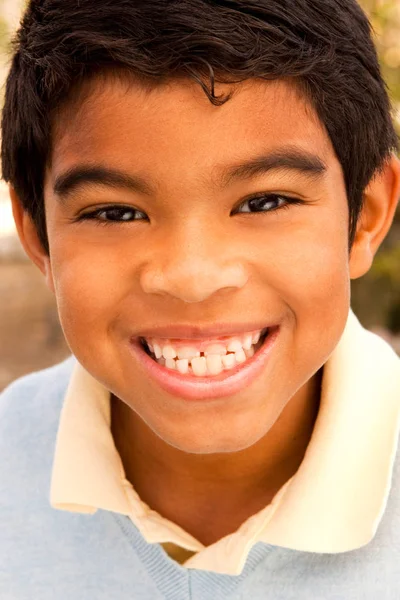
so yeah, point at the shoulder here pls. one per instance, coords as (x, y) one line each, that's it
(29, 414)
(39, 386)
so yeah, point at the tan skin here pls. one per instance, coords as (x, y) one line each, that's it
(215, 463)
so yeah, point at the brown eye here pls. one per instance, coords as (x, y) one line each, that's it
(263, 203)
(120, 214)
(114, 214)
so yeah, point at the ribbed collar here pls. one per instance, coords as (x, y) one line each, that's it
(335, 501)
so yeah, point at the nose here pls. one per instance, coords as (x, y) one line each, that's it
(192, 266)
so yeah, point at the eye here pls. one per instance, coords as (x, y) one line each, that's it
(266, 203)
(114, 214)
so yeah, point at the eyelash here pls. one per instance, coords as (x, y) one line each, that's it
(116, 207)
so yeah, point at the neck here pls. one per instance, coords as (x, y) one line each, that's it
(211, 495)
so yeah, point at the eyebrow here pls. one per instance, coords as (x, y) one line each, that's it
(284, 159)
(288, 158)
(83, 175)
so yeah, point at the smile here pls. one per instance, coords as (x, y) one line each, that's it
(205, 358)
(205, 369)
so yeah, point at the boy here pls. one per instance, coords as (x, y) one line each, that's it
(198, 181)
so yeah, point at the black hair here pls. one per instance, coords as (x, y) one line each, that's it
(324, 46)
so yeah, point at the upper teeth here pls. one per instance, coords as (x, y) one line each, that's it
(238, 345)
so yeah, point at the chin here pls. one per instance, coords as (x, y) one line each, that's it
(211, 444)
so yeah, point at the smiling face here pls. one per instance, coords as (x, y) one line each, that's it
(190, 245)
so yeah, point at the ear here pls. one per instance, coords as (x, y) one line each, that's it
(29, 239)
(380, 201)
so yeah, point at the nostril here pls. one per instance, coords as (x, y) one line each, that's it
(193, 281)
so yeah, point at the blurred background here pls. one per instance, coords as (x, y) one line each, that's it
(30, 335)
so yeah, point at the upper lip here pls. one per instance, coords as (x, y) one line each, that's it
(201, 332)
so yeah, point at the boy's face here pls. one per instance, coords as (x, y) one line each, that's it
(192, 255)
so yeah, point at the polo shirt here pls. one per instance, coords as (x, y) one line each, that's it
(334, 503)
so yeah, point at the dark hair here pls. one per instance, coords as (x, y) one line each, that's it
(325, 46)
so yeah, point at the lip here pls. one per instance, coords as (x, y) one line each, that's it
(190, 387)
(189, 333)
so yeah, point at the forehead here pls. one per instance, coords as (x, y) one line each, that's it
(174, 127)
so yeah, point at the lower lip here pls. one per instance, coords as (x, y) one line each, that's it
(190, 387)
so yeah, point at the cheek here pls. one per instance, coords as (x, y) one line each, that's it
(307, 262)
(320, 299)
(308, 272)
(317, 275)
(88, 287)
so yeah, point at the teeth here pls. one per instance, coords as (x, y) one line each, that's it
(229, 361)
(157, 350)
(199, 365)
(214, 364)
(247, 341)
(168, 352)
(250, 352)
(215, 349)
(187, 359)
(240, 356)
(187, 352)
(182, 366)
(234, 345)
